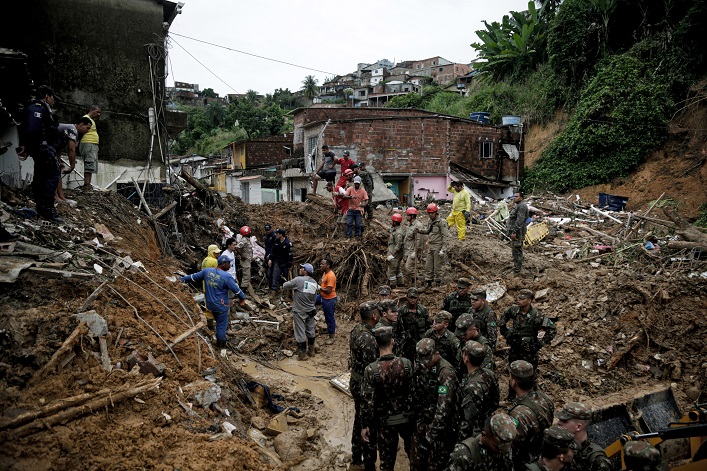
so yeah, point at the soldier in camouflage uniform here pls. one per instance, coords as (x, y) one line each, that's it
(490, 451)
(558, 449)
(447, 343)
(532, 410)
(458, 302)
(529, 329)
(478, 393)
(516, 228)
(363, 351)
(438, 236)
(390, 318)
(368, 185)
(387, 400)
(468, 329)
(395, 251)
(575, 417)
(384, 292)
(435, 392)
(481, 310)
(412, 243)
(641, 456)
(415, 320)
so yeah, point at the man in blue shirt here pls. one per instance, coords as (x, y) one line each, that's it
(217, 283)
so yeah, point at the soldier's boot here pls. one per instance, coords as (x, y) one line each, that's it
(302, 351)
(391, 283)
(310, 347)
(428, 284)
(401, 280)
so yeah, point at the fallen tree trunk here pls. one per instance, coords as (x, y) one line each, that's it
(684, 229)
(65, 348)
(193, 181)
(102, 402)
(678, 244)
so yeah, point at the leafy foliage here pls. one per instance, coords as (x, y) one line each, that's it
(620, 118)
(309, 87)
(702, 220)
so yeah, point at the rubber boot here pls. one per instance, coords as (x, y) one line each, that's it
(330, 340)
(302, 351)
(310, 347)
(211, 324)
(220, 343)
(428, 284)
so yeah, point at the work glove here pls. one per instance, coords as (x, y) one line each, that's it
(441, 253)
(389, 258)
(466, 215)
(413, 255)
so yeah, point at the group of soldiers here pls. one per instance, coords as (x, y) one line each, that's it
(431, 381)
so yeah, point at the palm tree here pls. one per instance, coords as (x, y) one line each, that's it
(215, 114)
(309, 87)
(252, 96)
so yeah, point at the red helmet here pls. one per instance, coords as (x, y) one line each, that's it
(397, 217)
(411, 210)
(245, 231)
(348, 171)
(432, 208)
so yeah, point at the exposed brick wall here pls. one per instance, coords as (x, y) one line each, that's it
(267, 151)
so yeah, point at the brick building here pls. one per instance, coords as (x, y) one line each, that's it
(411, 149)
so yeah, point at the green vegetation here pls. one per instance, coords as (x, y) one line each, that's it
(702, 220)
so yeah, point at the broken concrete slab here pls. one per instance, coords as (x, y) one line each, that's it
(203, 393)
(97, 326)
(11, 267)
(146, 363)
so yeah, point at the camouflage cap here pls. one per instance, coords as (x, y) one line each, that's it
(479, 293)
(383, 334)
(413, 293)
(443, 316)
(463, 322)
(425, 347)
(574, 410)
(559, 437)
(522, 369)
(463, 282)
(384, 290)
(503, 428)
(389, 304)
(641, 455)
(368, 306)
(526, 294)
(474, 349)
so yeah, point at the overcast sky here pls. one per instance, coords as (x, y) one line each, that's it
(330, 36)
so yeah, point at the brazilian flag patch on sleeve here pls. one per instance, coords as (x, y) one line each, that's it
(442, 389)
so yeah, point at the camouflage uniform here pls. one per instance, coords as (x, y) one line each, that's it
(523, 336)
(399, 335)
(471, 455)
(478, 396)
(462, 325)
(409, 247)
(589, 456)
(395, 249)
(363, 351)
(488, 325)
(456, 305)
(447, 343)
(415, 324)
(516, 225)
(435, 390)
(437, 239)
(557, 437)
(368, 185)
(533, 413)
(387, 405)
(640, 456)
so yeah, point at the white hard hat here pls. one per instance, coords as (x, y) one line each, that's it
(357, 179)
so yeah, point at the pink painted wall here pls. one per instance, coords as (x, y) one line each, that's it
(436, 184)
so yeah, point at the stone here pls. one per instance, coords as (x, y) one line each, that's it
(146, 364)
(203, 393)
(97, 326)
(258, 423)
(541, 294)
(278, 424)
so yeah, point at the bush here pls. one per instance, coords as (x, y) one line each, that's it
(702, 220)
(621, 117)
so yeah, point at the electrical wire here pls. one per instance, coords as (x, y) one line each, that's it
(253, 55)
(202, 64)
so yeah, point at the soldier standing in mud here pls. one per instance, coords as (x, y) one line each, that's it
(490, 451)
(437, 238)
(481, 310)
(458, 302)
(415, 320)
(363, 351)
(390, 318)
(245, 251)
(576, 417)
(533, 411)
(516, 228)
(479, 394)
(447, 343)
(468, 329)
(395, 251)
(368, 185)
(387, 400)
(529, 329)
(412, 244)
(436, 388)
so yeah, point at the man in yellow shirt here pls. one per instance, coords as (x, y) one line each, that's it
(460, 208)
(88, 148)
(211, 261)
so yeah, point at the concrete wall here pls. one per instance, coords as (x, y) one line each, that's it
(93, 51)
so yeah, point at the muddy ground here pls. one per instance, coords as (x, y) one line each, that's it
(599, 307)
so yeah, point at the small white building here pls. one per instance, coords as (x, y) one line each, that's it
(248, 189)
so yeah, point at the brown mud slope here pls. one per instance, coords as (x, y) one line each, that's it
(620, 326)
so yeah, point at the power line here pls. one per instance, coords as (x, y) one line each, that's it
(202, 64)
(254, 55)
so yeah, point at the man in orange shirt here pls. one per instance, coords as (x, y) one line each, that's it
(327, 298)
(358, 198)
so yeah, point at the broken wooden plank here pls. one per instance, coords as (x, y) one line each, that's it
(92, 297)
(606, 215)
(142, 197)
(105, 358)
(166, 209)
(53, 273)
(65, 348)
(186, 334)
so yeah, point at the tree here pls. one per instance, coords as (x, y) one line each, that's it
(215, 114)
(209, 93)
(309, 87)
(252, 96)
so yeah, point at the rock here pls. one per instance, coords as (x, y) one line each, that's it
(288, 445)
(278, 424)
(541, 294)
(97, 326)
(146, 364)
(258, 423)
(309, 464)
(203, 393)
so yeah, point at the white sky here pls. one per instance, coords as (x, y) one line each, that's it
(331, 36)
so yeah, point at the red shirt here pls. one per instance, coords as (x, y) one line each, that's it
(339, 200)
(345, 163)
(359, 196)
